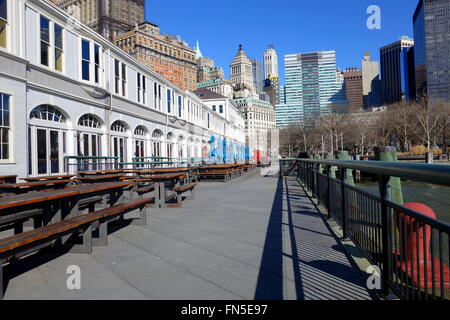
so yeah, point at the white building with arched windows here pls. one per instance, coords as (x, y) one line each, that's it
(67, 91)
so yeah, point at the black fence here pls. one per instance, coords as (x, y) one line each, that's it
(410, 249)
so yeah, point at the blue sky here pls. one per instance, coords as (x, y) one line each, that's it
(292, 26)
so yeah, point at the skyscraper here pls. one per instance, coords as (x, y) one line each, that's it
(108, 17)
(242, 70)
(353, 89)
(272, 89)
(313, 88)
(270, 62)
(397, 66)
(257, 76)
(432, 48)
(370, 80)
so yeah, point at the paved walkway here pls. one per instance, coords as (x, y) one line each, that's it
(253, 238)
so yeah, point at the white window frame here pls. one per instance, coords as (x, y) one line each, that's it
(8, 28)
(51, 45)
(11, 139)
(141, 89)
(92, 64)
(121, 88)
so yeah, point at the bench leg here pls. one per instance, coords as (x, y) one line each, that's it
(2, 288)
(18, 227)
(142, 221)
(86, 246)
(179, 199)
(102, 240)
(191, 195)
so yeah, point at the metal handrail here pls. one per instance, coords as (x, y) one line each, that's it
(90, 157)
(385, 244)
(430, 173)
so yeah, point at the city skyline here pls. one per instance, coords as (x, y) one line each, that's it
(283, 33)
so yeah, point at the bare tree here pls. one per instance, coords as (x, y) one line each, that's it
(426, 116)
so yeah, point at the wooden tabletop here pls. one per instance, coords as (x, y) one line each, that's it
(101, 172)
(220, 166)
(164, 170)
(166, 177)
(9, 177)
(32, 184)
(42, 196)
(48, 178)
(100, 177)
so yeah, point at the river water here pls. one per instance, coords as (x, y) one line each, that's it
(434, 196)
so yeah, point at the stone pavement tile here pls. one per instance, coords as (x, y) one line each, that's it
(227, 247)
(97, 282)
(29, 286)
(183, 287)
(219, 294)
(274, 287)
(176, 230)
(330, 284)
(233, 276)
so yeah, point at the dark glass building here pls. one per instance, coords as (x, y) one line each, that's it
(397, 71)
(432, 48)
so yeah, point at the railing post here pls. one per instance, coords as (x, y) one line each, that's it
(385, 194)
(328, 173)
(344, 203)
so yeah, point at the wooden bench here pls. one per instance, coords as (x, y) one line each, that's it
(182, 189)
(145, 189)
(13, 247)
(24, 187)
(226, 174)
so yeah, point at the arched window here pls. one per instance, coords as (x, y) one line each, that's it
(157, 134)
(119, 126)
(170, 136)
(140, 131)
(47, 112)
(90, 121)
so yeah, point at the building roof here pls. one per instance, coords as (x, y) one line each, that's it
(206, 94)
(198, 53)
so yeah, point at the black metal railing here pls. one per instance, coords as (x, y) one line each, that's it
(410, 248)
(74, 164)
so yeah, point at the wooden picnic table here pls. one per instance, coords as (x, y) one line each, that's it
(58, 204)
(100, 178)
(101, 172)
(18, 188)
(160, 181)
(8, 179)
(48, 178)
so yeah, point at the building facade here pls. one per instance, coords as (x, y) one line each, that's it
(257, 76)
(313, 88)
(259, 117)
(107, 17)
(71, 92)
(353, 84)
(432, 49)
(166, 54)
(270, 62)
(396, 70)
(372, 93)
(272, 89)
(242, 70)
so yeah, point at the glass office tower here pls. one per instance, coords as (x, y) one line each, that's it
(432, 48)
(312, 88)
